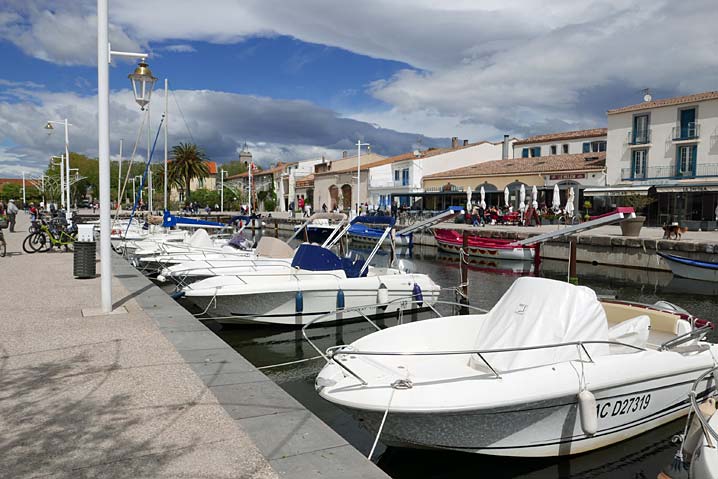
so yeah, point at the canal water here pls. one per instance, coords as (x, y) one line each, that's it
(640, 457)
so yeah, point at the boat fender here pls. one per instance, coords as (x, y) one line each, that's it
(695, 431)
(161, 278)
(587, 411)
(417, 295)
(382, 294)
(177, 294)
(340, 299)
(299, 302)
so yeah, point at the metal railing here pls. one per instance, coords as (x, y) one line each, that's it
(708, 432)
(689, 131)
(669, 171)
(639, 137)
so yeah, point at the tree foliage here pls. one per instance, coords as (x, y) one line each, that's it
(188, 162)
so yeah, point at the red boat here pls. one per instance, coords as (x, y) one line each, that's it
(451, 241)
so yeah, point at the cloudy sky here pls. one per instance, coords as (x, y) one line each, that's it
(298, 79)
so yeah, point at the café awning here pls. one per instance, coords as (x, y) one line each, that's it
(616, 191)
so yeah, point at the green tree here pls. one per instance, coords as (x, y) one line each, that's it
(188, 162)
(11, 191)
(205, 197)
(234, 167)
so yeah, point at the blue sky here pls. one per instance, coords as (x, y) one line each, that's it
(303, 79)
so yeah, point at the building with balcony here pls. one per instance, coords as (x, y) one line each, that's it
(668, 149)
(399, 179)
(562, 143)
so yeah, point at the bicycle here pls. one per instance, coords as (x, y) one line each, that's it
(54, 234)
(568, 220)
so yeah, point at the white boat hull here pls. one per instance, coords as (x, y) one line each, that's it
(513, 254)
(281, 305)
(540, 429)
(692, 272)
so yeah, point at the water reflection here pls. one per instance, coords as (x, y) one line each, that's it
(640, 457)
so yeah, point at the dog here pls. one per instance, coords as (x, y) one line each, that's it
(673, 230)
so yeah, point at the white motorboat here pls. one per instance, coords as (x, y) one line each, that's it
(271, 254)
(549, 371)
(691, 268)
(316, 283)
(697, 457)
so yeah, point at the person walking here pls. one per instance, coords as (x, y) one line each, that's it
(12, 212)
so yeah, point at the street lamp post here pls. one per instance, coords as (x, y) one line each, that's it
(23, 190)
(221, 190)
(142, 83)
(62, 174)
(65, 181)
(359, 145)
(133, 182)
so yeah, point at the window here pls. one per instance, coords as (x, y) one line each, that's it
(525, 153)
(553, 149)
(405, 177)
(639, 164)
(594, 146)
(686, 162)
(200, 182)
(396, 175)
(564, 148)
(535, 151)
(688, 123)
(640, 129)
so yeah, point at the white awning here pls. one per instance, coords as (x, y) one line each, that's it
(617, 191)
(687, 188)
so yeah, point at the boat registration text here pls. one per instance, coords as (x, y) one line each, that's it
(623, 406)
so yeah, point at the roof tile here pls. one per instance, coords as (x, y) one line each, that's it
(564, 135)
(678, 100)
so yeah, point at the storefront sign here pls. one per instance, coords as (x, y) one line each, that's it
(687, 189)
(568, 176)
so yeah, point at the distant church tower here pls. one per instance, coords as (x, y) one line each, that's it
(245, 155)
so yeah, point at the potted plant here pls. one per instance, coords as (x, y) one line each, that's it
(632, 226)
(586, 207)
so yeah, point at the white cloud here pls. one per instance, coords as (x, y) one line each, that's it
(219, 122)
(180, 48)
(515, 66)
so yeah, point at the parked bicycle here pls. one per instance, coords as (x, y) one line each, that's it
(568, 220)
(50, 234)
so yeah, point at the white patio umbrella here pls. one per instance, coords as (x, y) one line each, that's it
(556, 201)
(468, 200)
(483, 199)
(534, 196)
(280, 196)
(569, 202)
(506, 196)
(522, 199)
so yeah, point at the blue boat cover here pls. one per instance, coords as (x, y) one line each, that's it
(169, 221)
(374, 220)
(688, 261)
(312, 257)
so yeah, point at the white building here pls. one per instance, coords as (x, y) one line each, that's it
(563, 143)
(668, 149)
(401, 177)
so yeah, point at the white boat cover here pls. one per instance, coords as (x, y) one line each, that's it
(200, 239)
(632, 331)
(539, 311)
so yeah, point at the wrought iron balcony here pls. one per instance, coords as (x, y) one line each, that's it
(639, 137)
(689, 131)
(670, 172)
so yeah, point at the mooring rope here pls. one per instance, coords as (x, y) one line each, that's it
(290, 363)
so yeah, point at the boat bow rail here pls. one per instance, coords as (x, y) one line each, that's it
(710, 434)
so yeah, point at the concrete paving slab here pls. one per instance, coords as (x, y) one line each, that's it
(343, 461)
(255, 399)
(216, 361)
(290, 434)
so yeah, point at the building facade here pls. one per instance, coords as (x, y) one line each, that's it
(562, 143)
(210, 182)
(667, 149)
(578, 171)
(401, 177)
(335, 181)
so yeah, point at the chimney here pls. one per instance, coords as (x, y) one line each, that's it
(344, 154)
(466, 142)
(505, 148)
(454, 142)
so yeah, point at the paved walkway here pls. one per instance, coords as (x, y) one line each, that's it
(144, 394)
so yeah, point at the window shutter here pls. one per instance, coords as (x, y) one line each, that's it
(694, 158)
(633, 165)
(587, 147)
(525, 153)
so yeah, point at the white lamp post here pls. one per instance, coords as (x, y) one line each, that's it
(62, 174)
(166, 147)
(221, 190)
(133, 182)
(23, 190)
(142, 83)
(359, 145)
(65, 181)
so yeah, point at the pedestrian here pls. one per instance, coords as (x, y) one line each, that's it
(12, 211)
(33, 212)
(324, 208)
(307, 210)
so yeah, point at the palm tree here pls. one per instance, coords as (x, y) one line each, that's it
(188, 162)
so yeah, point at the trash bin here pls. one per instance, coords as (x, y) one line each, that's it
(85, 249)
